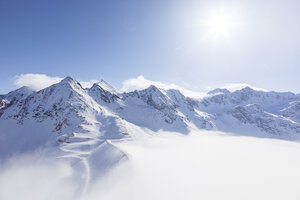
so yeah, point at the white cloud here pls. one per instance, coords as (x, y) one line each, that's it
(41, 81)
(35, 81)
(141, 82)
(196, 166)
(190, 167)
(237, 86)
(32, 178)
(233, 87)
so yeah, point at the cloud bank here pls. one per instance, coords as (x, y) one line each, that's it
(32, 177)
(207, 165)
(202, 165)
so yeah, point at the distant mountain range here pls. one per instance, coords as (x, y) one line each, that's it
(79, 123)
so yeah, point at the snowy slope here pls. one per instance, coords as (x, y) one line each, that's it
(154, 108)
(292, 111)
(221, 99)
(64, 117)
(67, 110)
(81, 123)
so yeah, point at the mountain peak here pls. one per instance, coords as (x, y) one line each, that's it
(247, 89)
(152, 88)
(219, 90)
(68, 79)
(19, 93)
(22, 90)
(106, 86)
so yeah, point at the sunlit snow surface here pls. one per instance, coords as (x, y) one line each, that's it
(201, 165)
(67, 142)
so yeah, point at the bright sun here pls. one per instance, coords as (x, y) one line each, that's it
(220, 24)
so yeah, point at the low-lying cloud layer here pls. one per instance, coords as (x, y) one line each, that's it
(204, 165)
(30, 177)
(214, 166)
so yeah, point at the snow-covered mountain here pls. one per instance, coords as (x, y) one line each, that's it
(66, 109)
(292, 111)
(274, 113)
(79, 123)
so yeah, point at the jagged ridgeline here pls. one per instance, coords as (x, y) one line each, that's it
(65, 112)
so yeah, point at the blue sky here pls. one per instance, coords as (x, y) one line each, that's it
(167, 41)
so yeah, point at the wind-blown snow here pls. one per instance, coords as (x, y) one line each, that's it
(100, 134)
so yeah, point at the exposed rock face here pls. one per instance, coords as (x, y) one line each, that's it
(68, 108)
(81, 122)
(247, 95)
(100, 94)
(267, 122)
(65, 104)
(153, 97)
(292, 111)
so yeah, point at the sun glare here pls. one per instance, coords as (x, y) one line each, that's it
(220, 24)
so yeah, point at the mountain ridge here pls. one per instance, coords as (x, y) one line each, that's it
(79, 123)
(168, 105)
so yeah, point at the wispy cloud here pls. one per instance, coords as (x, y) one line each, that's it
(35, 81)
(141, 83)
(235, 86)
(40, 81)
(238, 86)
